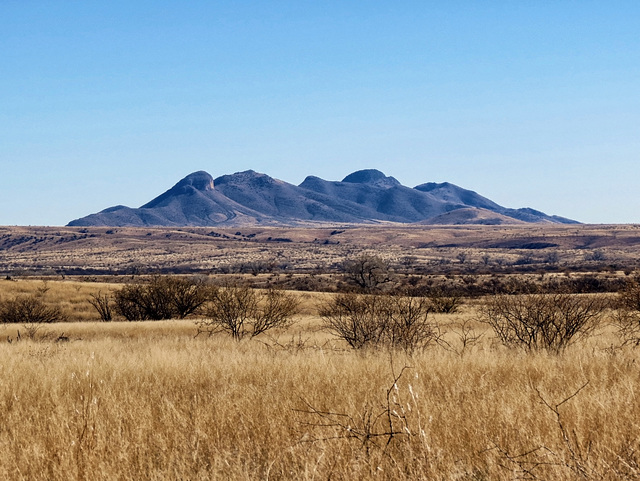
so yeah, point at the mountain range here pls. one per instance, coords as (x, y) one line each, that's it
(365, 196)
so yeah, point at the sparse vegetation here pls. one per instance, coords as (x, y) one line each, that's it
(243, 312)
(160, 298)
(28, 310)
(549, 322)
(367, 271)
(102, 303)
(627, 316)
(146, 400)
(318, 393)
(379, 320)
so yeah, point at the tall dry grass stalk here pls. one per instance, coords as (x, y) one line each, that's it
(148, 401)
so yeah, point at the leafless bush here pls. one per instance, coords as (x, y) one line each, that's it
(31, 312)
(376, 427)
(627, 316)
(629, 296)
(187, 296)
(467, 336)
(595, 255)
(574, 452)
(103, 304)
(380, 321)
(442, 303)
(275, 310)
(242, 311)
(28, 310)
(367, 271)
(542, 321)
(128, 303)
(408, 326)
(160, 298)
(355, 318)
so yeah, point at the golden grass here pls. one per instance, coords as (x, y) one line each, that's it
(148, 401)
(71, 296)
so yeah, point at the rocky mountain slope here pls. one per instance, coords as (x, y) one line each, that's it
(366, 196)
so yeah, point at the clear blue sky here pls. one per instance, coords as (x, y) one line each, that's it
(530, 103)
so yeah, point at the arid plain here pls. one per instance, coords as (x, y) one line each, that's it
(122, 250)
(85, 399)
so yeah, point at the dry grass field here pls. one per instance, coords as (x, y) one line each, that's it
(150, 400)
(137, 401)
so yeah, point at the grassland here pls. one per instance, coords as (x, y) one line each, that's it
(87, 400)
(150, 401)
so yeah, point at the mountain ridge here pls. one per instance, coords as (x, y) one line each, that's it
(362, 197)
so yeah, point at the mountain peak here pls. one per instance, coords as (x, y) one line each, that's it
(199, 180)
(371, 176)
(244, 177)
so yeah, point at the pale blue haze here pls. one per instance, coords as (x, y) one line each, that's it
(530, 103)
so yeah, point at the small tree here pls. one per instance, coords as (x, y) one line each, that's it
(542, 321)
(129, 304)
(242, 311)
(367, 271)
(187, 296)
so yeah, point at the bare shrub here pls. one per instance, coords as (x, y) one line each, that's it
(367, 271)
(187, 296)
(442, 303)
(467, 336)
(102, 303)
(28, 310)
(380, 321)
(31, 312)
(276, 309)
(542, 321)
(355, 318)
(629, 296)
(627, 323)
(128, 302)
(375, 427)
(407, 323)
(573, 453)
(596, 255)
(627, 316)
(160, 298)
(242, 311)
